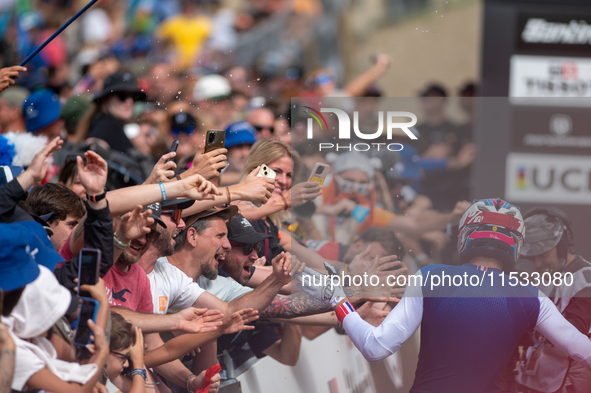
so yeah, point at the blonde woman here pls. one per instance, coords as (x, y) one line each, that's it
(267, 218)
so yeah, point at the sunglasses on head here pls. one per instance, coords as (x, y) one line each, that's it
(261, 128)
(247, 248)
(124, 95)
(187, 130)
(175, 215)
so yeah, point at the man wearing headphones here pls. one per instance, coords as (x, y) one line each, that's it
(550, 246)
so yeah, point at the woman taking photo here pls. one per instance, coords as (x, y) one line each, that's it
(268, 218)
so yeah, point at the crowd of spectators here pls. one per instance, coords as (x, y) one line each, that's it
(194, 246)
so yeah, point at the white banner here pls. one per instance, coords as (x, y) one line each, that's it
(555, 81)
(548, 178)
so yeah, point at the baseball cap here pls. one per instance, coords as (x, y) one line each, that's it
(542, 235)
(183, 122)
(41, 109)
(15, 96)
(173, 204)
(121, 82)
(240, 133)
(242, 231)
(211, 87)
(233, 210)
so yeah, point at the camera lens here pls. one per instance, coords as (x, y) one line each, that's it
(211, 138)
(266, 173)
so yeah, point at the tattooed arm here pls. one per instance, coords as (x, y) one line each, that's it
(300, 304)
(6, 360)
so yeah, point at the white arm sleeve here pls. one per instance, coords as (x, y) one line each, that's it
(377, 343)
(562, 333)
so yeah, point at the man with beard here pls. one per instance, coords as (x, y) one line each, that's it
(126, 283)
(170, 287)
(237, 263)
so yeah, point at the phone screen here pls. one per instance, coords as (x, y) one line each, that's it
(83, 333)
(88, 269)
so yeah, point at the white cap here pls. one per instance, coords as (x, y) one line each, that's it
(211, 86)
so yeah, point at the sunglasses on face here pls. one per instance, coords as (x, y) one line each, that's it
(122, 358)
(247, 248)
(175, 215)
(187, 130)
(152, 235)
(261, 128)
(123, 96)
(351, 187)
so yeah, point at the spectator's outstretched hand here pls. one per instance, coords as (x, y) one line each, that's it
(371, 315)
(209, 164)
(255, 189)
(198, 320)
(459, 210)
(134, 224)
(197, 188)
(8, 76)
(282, 267)
(93, 175)
(38, 168)
(163, 171)
(136, 352)
(380, 267)
(238, 321)
(302, 193)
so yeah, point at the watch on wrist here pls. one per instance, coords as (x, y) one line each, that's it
(139, 371)
(97, 197)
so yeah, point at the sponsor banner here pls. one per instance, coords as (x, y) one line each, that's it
(551, 130)
(550, 81)
(554, 33)
(545, 178)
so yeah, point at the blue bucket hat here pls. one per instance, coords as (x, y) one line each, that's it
(25, 245)
(41, 109)
(240, 133)
(18, 266)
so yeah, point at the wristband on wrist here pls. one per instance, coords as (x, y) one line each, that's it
(97, 197)
(139, 371)
(284, 201)
(187, 381)
(228, 194)
(178, 177)
(119, 244)
(163, 191)
(344, 310)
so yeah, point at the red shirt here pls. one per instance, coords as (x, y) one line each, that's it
(130, 290)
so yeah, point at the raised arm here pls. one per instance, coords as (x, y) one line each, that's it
(180, 345)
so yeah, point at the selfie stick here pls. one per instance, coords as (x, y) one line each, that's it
(43, 45)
